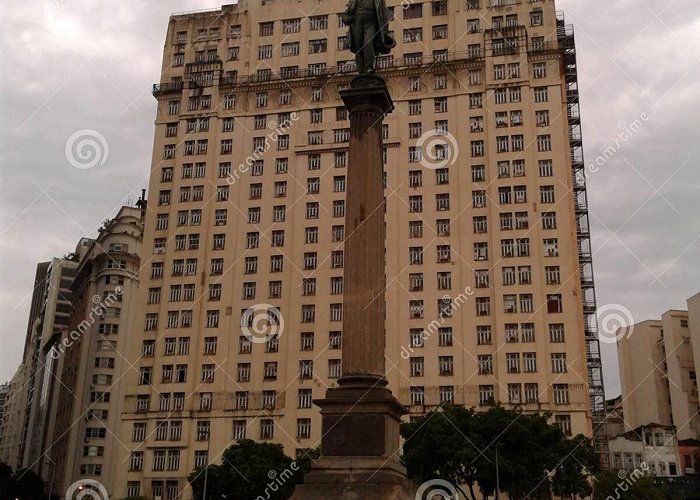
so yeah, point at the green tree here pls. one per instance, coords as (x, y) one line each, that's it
(526, 445)
(578, 463)
(7, 482)
(251, 470)
(616, 484)
(460, 446)
(28, 485)
(441, 445)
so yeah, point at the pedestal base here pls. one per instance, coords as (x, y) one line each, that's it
(359, 448)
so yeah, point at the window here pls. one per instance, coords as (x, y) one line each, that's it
(544, 142)
(334, 368)
(541, 94)
(558, 362)
(417, 366)
(318, 23)
(486, 394)
(560, 394)
(445, 365)
(483, 335)
(536, 18)
(417, 394)
(549, 220)
(318, 46)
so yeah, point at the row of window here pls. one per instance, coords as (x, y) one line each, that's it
(512, 333)
(501, 95)
(413, 10)
(198, 170)
(512, 304)
(505, 168)
(216, 267)
(519, 247)
(510, 275)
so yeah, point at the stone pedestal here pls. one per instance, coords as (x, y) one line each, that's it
(360, 418)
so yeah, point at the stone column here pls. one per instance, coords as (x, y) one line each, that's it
(364, 307)
(360, 418)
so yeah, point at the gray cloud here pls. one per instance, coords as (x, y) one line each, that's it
(89, 65)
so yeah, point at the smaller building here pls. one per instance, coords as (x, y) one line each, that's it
(652, 446)
(689, 450)
(614, 415)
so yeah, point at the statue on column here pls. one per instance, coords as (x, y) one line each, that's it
(368, 22)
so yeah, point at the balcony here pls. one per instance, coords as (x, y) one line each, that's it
(160, 89)
(385, 64)
(588, 306)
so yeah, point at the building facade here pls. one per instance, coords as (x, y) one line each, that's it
(650, 448)
(489, 283)
(13, 431)
(103, 298)
(30, 409)
(658, 371)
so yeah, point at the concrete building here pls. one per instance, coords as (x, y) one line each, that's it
(103, 297)
(615, 418)
(650, 446)
(28, 425)
(490, 289)
(12, 424)
(44, 370)
(658, 371)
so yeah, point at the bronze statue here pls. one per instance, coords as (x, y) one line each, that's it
(368, 22)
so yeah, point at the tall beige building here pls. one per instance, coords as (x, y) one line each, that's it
(658, 371)
(104, 292)
(489, 281)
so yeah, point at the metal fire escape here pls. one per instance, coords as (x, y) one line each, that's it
(565, 36)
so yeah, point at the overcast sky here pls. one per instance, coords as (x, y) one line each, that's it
(70, 65)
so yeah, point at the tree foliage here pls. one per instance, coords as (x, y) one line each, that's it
(610, 484)
(24, 484)
(251, 470)
(534, 457)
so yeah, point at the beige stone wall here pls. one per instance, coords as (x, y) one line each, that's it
(645, 392)
(211, 33)
(680, 366)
